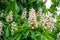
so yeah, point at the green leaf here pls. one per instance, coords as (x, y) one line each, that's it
(16, 8)
(19, 37)
(43, 37)
(33, 35)
(7, 33)
(13, 0)
(25, 34)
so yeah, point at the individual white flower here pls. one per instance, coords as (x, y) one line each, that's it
(58, 10)
(32, 19)
(45, 1)
(12, 27)
(55, 20)
(16, 28)
(33, 28)
(9, 17)
(24, 14)
(13, 24)
(58, 13)
(48, 4)
(49, 14)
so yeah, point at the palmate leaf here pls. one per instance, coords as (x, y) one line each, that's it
(43, 37)
(38, 35)
(12, 7)
(13, 0)
(17, 9)
(25, 34)
(7, 33)
(17, 36)
(33, 36)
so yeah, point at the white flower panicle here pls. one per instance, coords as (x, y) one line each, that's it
(9, 17)
(24, 14)
(32, 19)
(0, 27)
(13, 27)
(46, 21)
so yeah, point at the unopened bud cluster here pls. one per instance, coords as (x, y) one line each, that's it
(32, 19)
(0, 28)
(24, 14)
(13, 27)
(9, 17)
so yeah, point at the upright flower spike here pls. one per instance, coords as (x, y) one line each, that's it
(46, 20)
(32, 19)
(9, 17)
(0, 28)
(13, 28)
(24, 14)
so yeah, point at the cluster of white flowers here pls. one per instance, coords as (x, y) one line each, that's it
(58, 10)
(24, 14)
(13, 27)
(0, 27)
(32, 19)
(58, 36)
(46, 21)
(9, 17)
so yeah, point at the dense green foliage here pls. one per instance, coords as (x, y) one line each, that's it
(24, 32)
